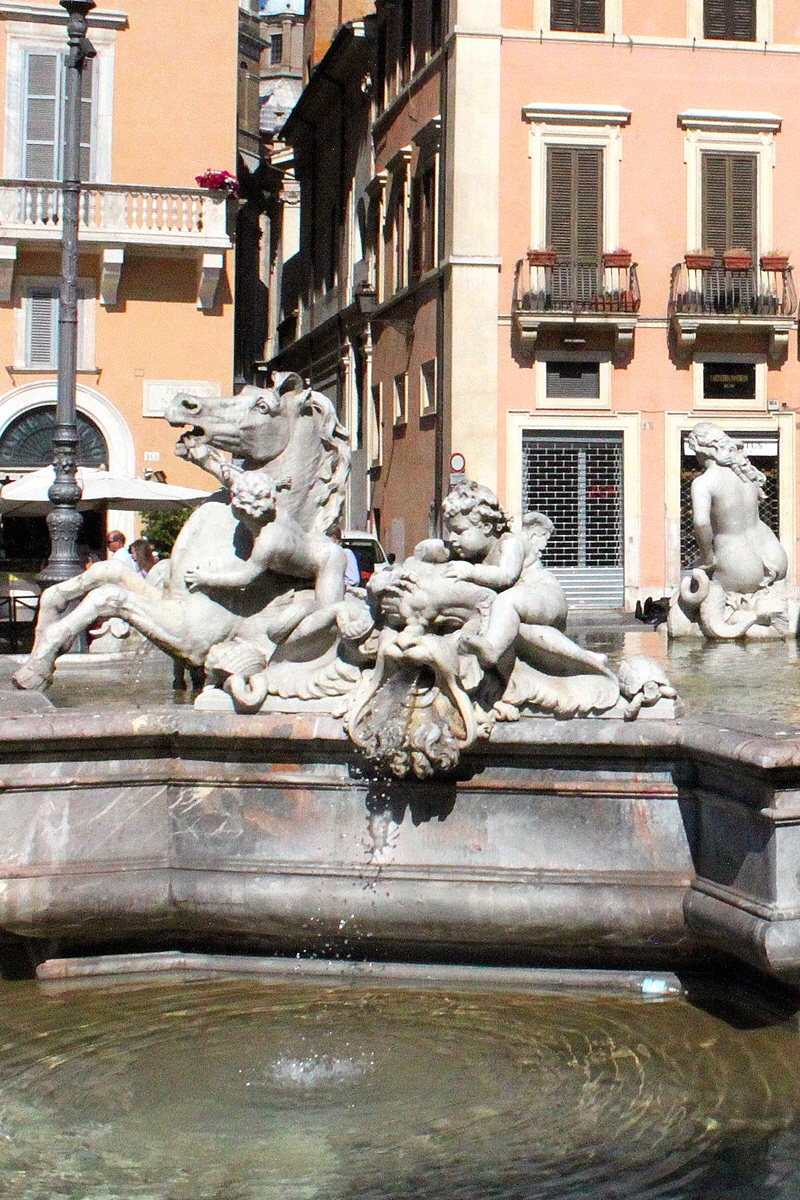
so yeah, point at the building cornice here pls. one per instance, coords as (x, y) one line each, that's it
(576, 114)
(713, 121)
(48, 14)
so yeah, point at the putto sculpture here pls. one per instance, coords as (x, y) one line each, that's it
(468, 631)
(738, 590)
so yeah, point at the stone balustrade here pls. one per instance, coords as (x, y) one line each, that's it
(117, 213)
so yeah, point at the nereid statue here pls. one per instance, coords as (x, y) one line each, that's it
(738, 589)
(467, 632)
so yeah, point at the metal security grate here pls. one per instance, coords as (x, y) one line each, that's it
(762, 450)
(576, 480)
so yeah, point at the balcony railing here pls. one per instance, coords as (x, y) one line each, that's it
(717, 292)
(117, 213)
(575, 288)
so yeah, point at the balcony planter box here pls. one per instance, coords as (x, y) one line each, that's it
(542, 258)
(617, 258)
(701, 260)
(774, 262)
(737, 260)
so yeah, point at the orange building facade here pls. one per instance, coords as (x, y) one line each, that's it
(533, 269)
(156, 250)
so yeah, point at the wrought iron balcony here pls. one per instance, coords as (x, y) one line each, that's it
(717, 298)
(551, 292)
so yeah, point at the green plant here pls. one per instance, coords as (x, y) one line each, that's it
(162, 528)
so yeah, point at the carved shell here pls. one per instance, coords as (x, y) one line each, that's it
(638, 670)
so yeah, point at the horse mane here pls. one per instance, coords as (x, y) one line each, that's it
(328, 490)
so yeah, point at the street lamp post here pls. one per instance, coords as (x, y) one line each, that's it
(64, 522)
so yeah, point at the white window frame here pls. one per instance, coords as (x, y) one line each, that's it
(599, 126)
(758, 403)
(541, 20)
(375, 426)
(603, 401)
(764, 25)
(27, 38)
(400, 399)
(728, 132)
(87, 308)
(428, 395)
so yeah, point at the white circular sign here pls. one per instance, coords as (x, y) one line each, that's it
(457, 463)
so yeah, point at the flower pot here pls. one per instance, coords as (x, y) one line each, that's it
(617, 258)
(542, 258)
(701, 261)
(774, 262)
(737, 260)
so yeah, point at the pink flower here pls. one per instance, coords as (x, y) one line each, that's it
(219, 181)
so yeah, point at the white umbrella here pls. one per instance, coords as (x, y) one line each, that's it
(27, 496)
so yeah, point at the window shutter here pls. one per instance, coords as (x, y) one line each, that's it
(578, 16)
(729, 201)
(591, 16)
(42, 306)
(575, 202)
(559, 200)
(743, 200)
(44, 106)
(588, 205)
(42, 113)
(730, 20)
(744, 20)
(87, 88)
(563, 15)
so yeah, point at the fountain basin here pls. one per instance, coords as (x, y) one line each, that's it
(581, 842)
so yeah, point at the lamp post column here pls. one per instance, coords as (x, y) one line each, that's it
(64, 522)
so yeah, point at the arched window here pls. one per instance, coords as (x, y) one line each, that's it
(28, 441)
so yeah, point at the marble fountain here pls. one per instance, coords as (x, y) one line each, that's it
(430, 771)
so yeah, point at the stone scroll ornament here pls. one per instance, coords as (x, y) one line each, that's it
(738, 590)
(467, 632)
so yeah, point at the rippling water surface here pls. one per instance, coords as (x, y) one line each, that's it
(239, 1091)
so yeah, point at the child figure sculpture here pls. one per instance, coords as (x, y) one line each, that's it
(529, 603)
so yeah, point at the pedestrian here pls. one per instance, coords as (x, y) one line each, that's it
(144, 556)
(115, 543)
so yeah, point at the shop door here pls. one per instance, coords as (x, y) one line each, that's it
(576, 480)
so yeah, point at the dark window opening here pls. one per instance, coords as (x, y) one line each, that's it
(437, 23)
(573, 380)
(276, 49)
(406, 40)
(578, 16)
(729, 20)
(28, 441)
(423, 222)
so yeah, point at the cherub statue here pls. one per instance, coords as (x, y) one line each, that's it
(280, 544)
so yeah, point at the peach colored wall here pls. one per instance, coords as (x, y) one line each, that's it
(174, 115)
(517, 14)
(175, 91)
(655, 83)
(667, 18)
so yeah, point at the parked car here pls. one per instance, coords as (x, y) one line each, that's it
(367, 549)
